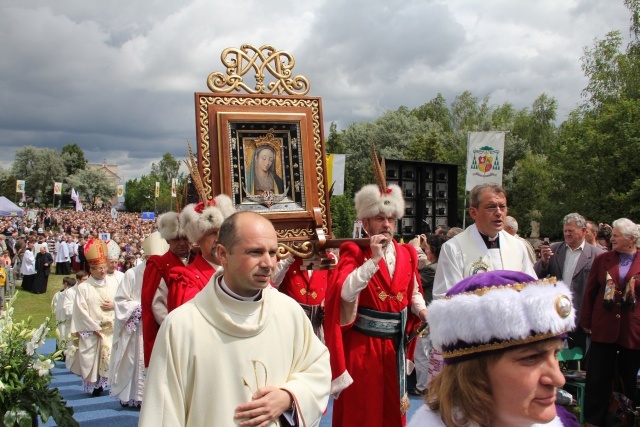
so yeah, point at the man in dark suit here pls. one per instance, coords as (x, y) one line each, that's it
(570, 261)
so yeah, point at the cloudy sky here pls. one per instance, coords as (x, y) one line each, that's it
(117, 77)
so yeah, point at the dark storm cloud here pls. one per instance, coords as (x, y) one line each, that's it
(118, 78)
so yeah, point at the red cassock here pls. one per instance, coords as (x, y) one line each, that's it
(306, 290)
(157, 268)
(618, 325)
(187, 281)
(373, 399)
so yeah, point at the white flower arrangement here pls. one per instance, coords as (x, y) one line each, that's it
(26, 377)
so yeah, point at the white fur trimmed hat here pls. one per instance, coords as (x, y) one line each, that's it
(497, 310)
(169, 226)
(371, 201)
(196, 220)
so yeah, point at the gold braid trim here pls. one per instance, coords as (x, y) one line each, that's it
(500, 345)
(514, 286)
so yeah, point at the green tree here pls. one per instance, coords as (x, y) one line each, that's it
(7, 184)
(93, 185)
(335, 144)
(435, 110)
(166, 169)
(73, 158)
(40, 168)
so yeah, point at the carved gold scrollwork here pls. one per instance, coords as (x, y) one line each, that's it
(302, 250)
(241, 61)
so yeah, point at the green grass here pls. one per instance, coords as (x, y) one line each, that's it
(36, 306)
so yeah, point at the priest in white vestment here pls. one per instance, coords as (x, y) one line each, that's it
(92, 320)
(483, 246)
(239, 351)
(126, 370)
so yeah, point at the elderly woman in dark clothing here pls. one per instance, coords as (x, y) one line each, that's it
(612, 317)
(43, 268)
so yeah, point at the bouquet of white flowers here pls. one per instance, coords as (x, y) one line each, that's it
(25, 376)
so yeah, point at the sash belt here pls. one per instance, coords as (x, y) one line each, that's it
(378, 324)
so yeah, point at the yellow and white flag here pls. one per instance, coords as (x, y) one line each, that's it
(57, 188)
(20, 186)
(174, 186)
(120, 192)
(335, 173)
(157, 189)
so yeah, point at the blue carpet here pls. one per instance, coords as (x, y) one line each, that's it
(105, 411)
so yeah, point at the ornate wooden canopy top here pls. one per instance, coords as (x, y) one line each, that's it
(240, 62)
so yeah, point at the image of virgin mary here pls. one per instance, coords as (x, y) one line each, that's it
(261, 176)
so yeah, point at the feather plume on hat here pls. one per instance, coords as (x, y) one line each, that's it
(374, 199)
(196, 220)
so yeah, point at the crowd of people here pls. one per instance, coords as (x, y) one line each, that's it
(481, 312)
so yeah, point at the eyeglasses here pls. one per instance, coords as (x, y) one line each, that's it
(494, 208)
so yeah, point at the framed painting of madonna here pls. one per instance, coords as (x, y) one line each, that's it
(264, 149)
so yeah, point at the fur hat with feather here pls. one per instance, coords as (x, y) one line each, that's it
(196, 220)
(374, 199)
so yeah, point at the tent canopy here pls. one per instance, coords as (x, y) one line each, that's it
(8, 208)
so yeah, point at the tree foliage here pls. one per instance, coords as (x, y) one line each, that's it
(140, 193)
(39, 168)
(92, 185)
(73, 158)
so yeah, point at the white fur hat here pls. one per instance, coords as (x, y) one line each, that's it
(196, 220)
(370, 201)
(169, 226)
(497, 310)
(113, 250)
(155, 243)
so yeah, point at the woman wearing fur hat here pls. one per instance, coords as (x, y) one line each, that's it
(499, 333)
(372, 304)
(201, 223)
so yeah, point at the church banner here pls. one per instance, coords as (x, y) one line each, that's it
(174, 186)
(157, 193)
(335, 173)
(57, 188)
(20, 186)
(120, 193)
(485, 153)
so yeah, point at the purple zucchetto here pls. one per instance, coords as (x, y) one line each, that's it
(497, 310)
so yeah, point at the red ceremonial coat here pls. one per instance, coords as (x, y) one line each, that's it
(618, 325)
(306, 290)
(373, 397)
(157, 268)
(187, 281)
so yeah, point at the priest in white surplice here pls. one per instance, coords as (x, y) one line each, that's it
(92, 320)
(126, 370)
(239, 351)
(483, 246)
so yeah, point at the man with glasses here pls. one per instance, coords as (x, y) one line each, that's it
(92, 320)
(483, 246)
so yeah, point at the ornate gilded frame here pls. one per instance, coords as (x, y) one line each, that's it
(228, 124)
